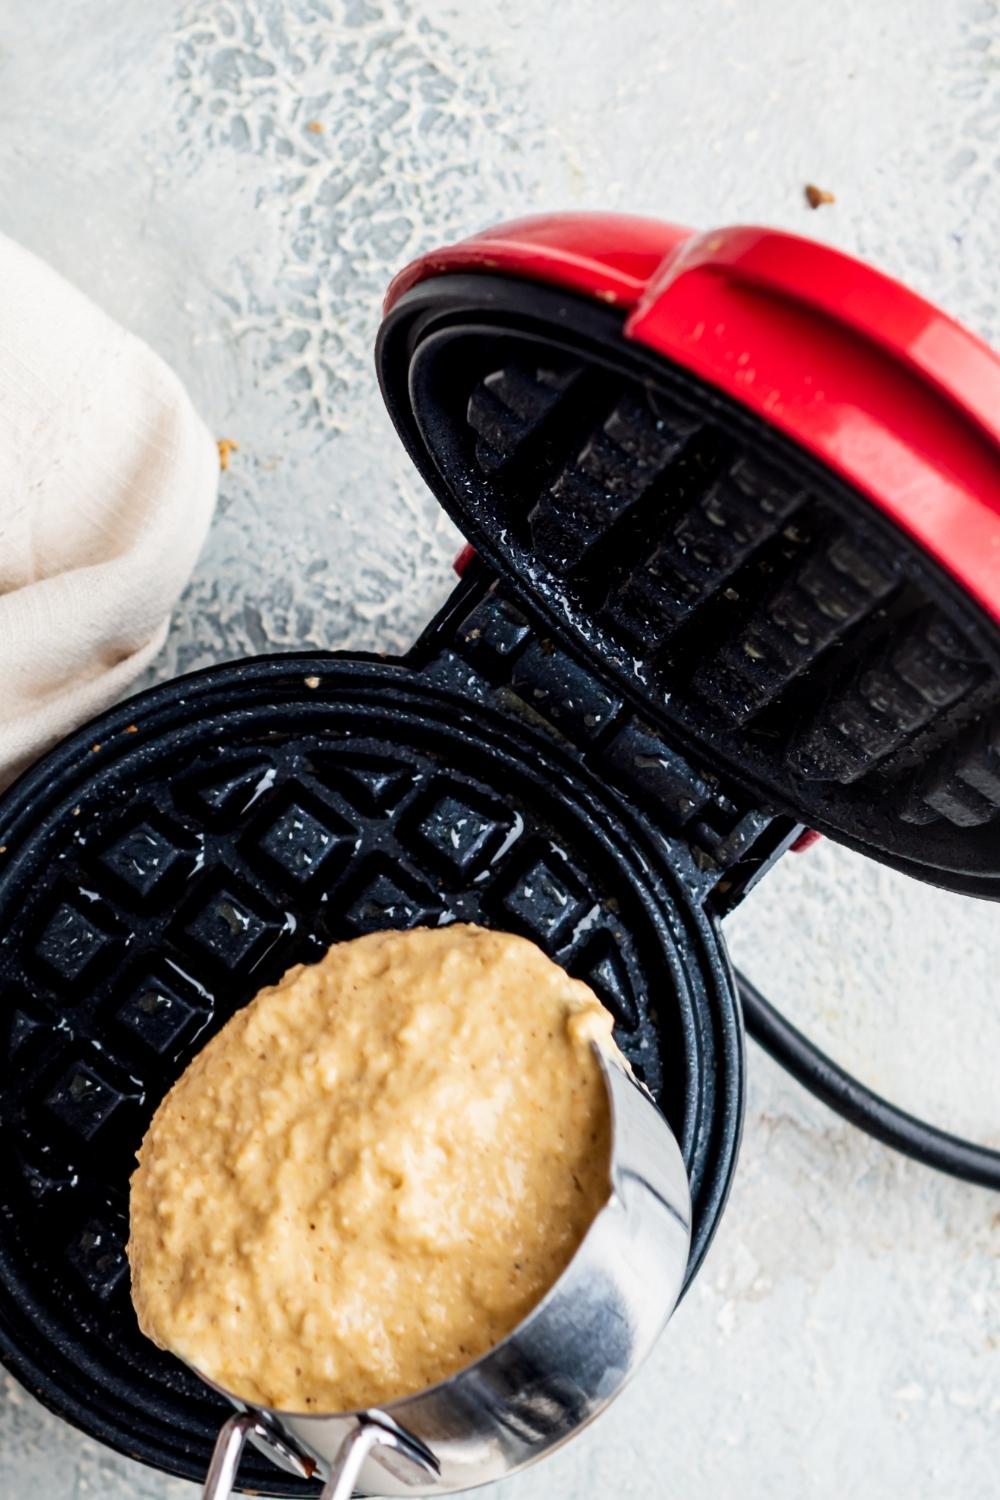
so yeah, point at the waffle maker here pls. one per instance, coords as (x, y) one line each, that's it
(734, 501)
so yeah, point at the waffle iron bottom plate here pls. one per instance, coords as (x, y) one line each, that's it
(183, 852)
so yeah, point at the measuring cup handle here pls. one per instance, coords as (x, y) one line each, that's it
(368, 1435)
(226, 1456)
(228, 1451)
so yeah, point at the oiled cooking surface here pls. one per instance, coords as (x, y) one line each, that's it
(374, 1171)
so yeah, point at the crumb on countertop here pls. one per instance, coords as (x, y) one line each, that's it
(226, 447)
(816, 196)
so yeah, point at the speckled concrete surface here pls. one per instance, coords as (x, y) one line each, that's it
(844, 1336)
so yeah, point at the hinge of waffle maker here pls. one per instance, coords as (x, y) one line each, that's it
(489, 650)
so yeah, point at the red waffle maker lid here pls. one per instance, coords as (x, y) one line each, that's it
(754, 482)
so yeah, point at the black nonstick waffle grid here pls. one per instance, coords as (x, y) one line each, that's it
(762, 612)
(161, 869)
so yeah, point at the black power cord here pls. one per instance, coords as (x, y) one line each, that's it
(857, 1104)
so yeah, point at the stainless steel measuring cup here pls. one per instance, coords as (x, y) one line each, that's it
(548, 1378)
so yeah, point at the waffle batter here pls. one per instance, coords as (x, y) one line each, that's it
(374, 1171)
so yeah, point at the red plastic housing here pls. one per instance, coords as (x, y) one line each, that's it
(882, 387)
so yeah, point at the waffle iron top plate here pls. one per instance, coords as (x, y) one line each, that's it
(756, 484)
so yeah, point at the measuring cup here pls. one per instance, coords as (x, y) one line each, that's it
(547, 1379)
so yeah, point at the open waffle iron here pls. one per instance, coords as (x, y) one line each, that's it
(734, 501)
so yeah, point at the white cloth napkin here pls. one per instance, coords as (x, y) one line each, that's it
(107, 482)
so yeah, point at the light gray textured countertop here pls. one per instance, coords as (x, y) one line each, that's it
(844, 1336)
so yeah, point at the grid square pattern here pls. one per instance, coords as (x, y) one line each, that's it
(142, 858)
(97, 1254)
(458, 833)
(83, 1101)
(71, 942)
(384, 902)
(302, 845)
(157, 1015)
(229, 929)
(544, 899)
